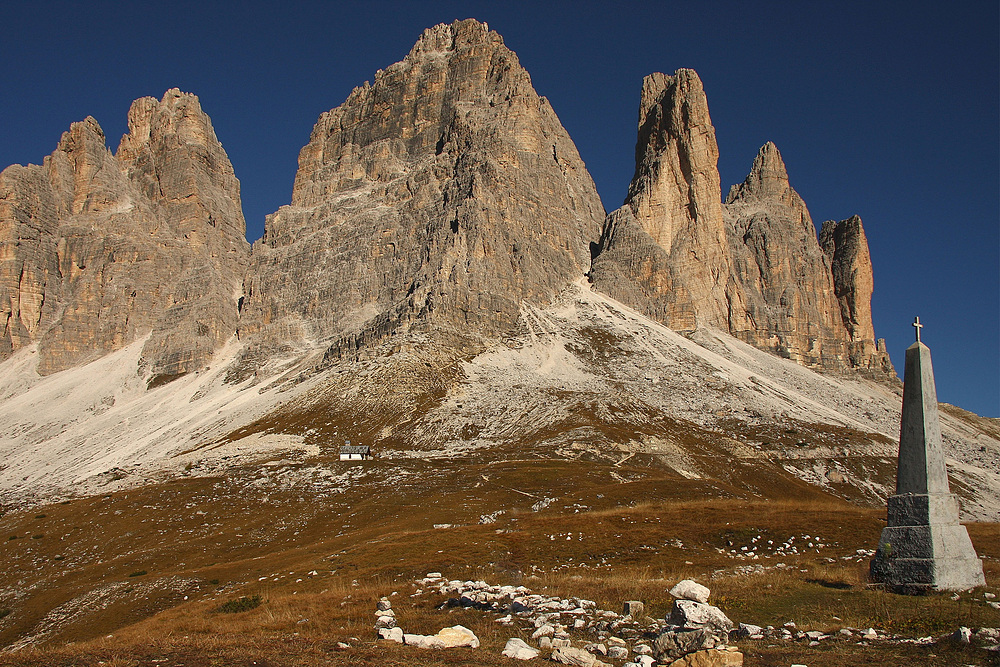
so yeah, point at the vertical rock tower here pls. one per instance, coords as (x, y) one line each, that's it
(924, 546)
(752, 265)
(664, 251)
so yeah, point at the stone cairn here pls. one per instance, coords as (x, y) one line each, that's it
(696, 633)
(923, 547)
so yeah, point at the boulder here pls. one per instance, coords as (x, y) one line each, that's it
(392, 634)
(710, 658)
(674, 644)
(691, 614)
(458, 636)
(422, 641)
(544, 630)
(635, 609)
(385, 622)
(519, 650)
(617, 652)
(567, 655)
(690, 590)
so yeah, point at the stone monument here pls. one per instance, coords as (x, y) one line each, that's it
(924, 547)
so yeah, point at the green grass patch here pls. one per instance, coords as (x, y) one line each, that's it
(239, 605)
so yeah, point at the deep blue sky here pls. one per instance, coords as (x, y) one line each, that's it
(887, 110)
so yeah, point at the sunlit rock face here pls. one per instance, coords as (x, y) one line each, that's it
(98, 250)
(665, 251)
(751, 265)
(447, 191)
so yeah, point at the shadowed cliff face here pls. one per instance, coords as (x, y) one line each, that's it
(445, 192)
(806, 300)
(99, 250)
(751, 266)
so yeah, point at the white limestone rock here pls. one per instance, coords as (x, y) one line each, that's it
(519, 650)
(385, 622)
(691, 614)
(577, 657)
(392, 634)
(544, 630)
(458, 636)
(422, 641)
(690, 590)
(617, 652)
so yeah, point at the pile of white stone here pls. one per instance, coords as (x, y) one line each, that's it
(454, 637)
(693, 626)
(696, 633)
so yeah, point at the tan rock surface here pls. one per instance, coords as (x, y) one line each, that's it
(752, 266)
(97, 250)
(446, 191)
(783, 273)
(667, 253)
(710, 658)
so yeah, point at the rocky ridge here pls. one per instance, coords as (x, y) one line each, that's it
(442, 196)
(434, 248)
(100, 249)
(806, 300)
(751, 266)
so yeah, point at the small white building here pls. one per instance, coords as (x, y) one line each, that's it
(355, 453)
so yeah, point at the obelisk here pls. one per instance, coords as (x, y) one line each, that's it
(923, 547)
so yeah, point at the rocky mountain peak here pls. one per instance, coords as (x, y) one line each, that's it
(768, 179)
(83, 174)
(108, 249)
(172, 154)
(752, 266)
(846, 247)
(676, 181)
(457, 35)
(446, 190)
(665, 250)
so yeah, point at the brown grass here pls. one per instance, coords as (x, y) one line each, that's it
(214, 540)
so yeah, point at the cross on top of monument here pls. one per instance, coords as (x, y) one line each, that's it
(918, 326)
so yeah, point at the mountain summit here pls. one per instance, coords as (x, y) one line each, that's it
(99, 250)
(445, 288)
(751, 266)
(446, 192)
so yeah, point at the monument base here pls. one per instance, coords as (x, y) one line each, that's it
(924, 547)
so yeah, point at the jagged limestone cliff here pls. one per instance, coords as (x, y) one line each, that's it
(443, 196)
(751, 266)
(664, 251)
(447, 191)
(98, 250)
